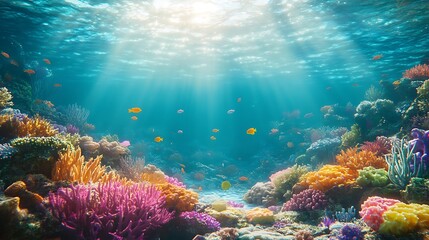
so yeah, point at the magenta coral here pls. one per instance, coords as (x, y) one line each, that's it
(110, 210)
(306, 200)
(373, 209)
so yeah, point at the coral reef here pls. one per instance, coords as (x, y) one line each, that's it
(198, 223)
(261, 194)
(112, 151)
(306, 200)
(372, 177)
(27, 199)
(178, 198)
(350, 232)
(284, 180)
(373, 209)
(355, 160)
(416, 73)
(352, 137)
(323, 150)
(381, 146)
(417, 191)
(98, 211)
(5, 98)
(260, 216)
(327, 177)
(75, 115)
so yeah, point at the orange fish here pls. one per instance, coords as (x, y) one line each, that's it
(134, 110)
(29, 71)
(251, 131)
(215, 130)
(47, 61)
(5, 54)
(377, 57)
(396, 83)
(158, 139)
(57, 85)
(134, 118)
(182, 170)
(48, 103)
(13, 62)
(243, 179)
(212, 138)
(290, 145)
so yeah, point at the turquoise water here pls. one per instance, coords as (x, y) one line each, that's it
(162, 56)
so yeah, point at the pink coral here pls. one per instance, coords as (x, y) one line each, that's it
(373, 209)
(306, 200)
(419, 72)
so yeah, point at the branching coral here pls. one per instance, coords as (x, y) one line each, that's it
(309, 199)
(327, 177)
(35, 127)
(71, 166)
(110, 210)
(198, 223)
(5, 98)
(356, 160)
(352, 137)
(419, 72)
(382, 145)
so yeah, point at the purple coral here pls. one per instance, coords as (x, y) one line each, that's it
(306, 200)
(110, 210)
(234, 204)
(175, 181)
(420, 146)
(350, 232)
(199, 223)
(72, 129)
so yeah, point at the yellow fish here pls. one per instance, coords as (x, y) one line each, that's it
(290, 145)
(215, 130)
(134, 110)
(251, 131)
(396, 83)
(158, 139)
(225, 185)
(212, 138)
(134, 118)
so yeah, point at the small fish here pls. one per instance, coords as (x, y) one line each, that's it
(274, 131)
(179, 131)
(212, 138)
(182, 165)
(134, 110)
(134, 118)
(290, 144)
(47, 61)
(29, 71)
(215, 130)
(5, 54)
(125, 143)
(243, 179)
(57, 85)
(182, 170)
(48, 103)
(230, 111)
(225, 185)
(377, 57)
(309, 115)
(38, 101)
(158, 139)
(251, 131)
(239, 99)
(13, 62)
(180, 111)
(200, 188)
(396, 83)
(221, 176)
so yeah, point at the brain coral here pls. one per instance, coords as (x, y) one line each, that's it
(356, 160)
(327, 177)
(373, 209)
(260, 216)
(403, 218)
(261, 194)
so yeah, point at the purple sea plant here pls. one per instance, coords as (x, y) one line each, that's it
(110, 210)
(420, 146)
(234, 204)
(72, 129)
(327, 221)
(350, 232)
(199, 223)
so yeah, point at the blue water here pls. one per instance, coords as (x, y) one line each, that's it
(277, 56)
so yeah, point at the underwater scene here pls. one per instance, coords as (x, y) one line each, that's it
(214, 120)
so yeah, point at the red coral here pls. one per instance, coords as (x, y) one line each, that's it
(419, 72)
(382, 145)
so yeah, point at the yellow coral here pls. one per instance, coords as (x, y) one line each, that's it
(357, 160)
(71, 166)
(327, 177)
(404, 218)
(35, 127)
(178, 198)
(260, 216)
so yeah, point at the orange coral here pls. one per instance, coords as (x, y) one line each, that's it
(27, 199)
(71, 166)
(11, 127)
(327, 177)
(156, 177)
(178, 198)
(357, 160)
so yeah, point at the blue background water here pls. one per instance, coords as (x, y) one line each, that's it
(277, 56)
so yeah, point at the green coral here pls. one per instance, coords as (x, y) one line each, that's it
(372, 177)
(73, 139)
(284, 182)
(417, 191)
(40, 145)
(351, 138)
(423, 97)
(5, 98)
